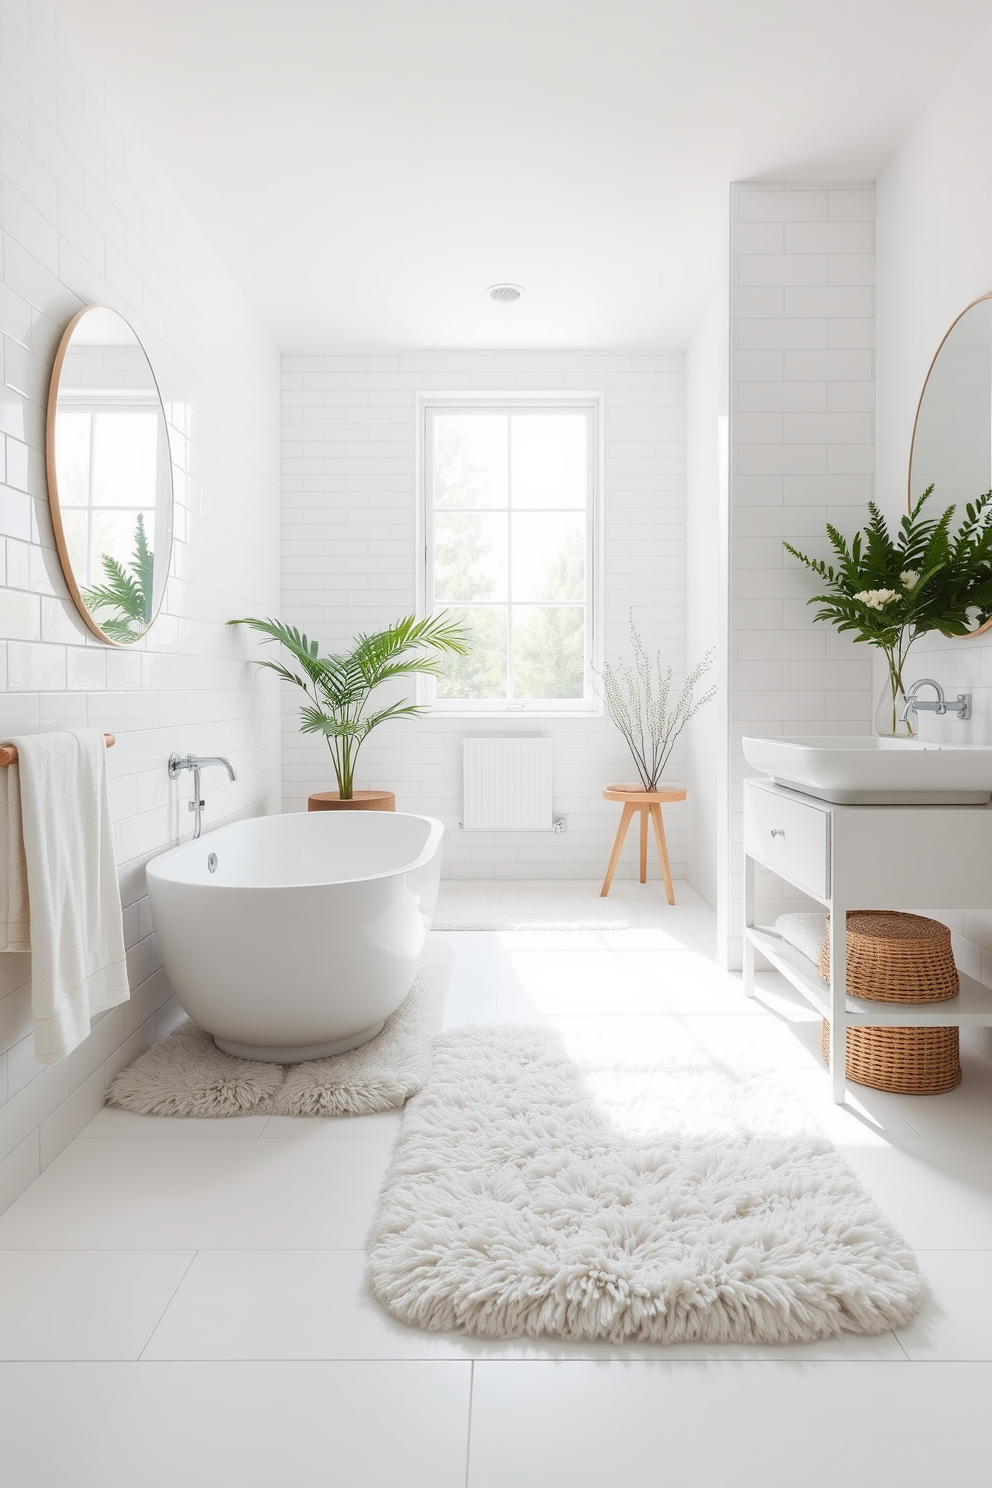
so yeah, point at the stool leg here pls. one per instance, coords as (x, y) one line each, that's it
(659, 832)
(644, 844)
(628, 811)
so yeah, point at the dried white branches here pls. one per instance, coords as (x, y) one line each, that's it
(637, 702)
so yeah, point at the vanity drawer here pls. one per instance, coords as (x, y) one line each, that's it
(789, 837)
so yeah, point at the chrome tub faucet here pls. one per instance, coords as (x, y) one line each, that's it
(197, 762)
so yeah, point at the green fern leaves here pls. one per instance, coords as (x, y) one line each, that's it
(127, 594)
(888, 590)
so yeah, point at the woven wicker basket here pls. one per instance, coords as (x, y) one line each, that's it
(896, 957)
(904, 1061)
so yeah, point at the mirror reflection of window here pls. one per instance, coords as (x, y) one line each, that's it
(952, 444)
(108, 472)
(112, 492)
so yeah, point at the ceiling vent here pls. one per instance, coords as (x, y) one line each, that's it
(505, 294)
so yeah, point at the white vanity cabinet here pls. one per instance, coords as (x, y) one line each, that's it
(864, 857)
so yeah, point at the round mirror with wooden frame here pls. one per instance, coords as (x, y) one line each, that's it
(109, 476)
(951, 448)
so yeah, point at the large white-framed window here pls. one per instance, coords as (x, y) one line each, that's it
(510, 517)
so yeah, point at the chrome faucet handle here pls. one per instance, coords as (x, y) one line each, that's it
(913, 703)
(197, 762)
(938, 706)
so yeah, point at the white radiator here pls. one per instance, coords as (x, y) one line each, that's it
(507, 785)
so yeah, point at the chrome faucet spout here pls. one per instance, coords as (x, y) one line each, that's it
(939, 705)
(202, 760)
(197, 762)
(913, 704)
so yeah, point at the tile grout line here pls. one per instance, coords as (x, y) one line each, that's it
(468, 1433)
(165, 1309)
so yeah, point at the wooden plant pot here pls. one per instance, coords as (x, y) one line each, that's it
(367, 800)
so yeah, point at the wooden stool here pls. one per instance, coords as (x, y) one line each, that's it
(360, 801)
(649, 804)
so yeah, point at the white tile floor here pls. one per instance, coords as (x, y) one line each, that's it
(181, 1302)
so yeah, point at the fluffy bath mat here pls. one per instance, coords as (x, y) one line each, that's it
(187, 1075)
(476, 905)
(622, 1190)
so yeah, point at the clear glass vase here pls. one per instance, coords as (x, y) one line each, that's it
(889, 722)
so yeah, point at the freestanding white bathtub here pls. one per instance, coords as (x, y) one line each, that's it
(294, 937)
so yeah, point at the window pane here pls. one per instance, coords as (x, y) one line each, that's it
(75, 526)
(470, 459)
(113, 536)
(470, 556)
(549, 466)
(549, 555)
(125, 459)
(482, 673)
(548, 651)
(72, 457)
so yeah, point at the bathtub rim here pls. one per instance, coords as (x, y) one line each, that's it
(156, 867)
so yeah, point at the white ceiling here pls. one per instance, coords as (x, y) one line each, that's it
(368, 167)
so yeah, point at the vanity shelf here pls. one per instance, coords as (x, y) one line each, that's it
(971, 1007)
(864, 857)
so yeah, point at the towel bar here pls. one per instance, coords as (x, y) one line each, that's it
(8, 752)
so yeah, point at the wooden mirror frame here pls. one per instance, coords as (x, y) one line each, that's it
(51, 472)
(981, 629)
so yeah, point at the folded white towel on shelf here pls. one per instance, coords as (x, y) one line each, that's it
(15, 934)
(805, 931)
(76, 929)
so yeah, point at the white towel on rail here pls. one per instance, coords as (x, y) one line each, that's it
(15, 934)
(77, 938)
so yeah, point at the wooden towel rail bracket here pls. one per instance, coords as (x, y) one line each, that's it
(8, 752)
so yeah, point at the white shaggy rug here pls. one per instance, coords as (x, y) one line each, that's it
(187, 1075)
(518, 905)
(627, 1190)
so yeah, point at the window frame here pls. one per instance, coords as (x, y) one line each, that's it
(590, 704)
(128, 401)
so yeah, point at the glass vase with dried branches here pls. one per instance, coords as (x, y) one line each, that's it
(638, 698)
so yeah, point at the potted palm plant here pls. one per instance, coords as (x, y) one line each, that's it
(339, 689)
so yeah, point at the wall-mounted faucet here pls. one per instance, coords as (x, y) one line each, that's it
(913, 705)
(197, 762)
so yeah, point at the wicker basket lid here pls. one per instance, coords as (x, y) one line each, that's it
(895, 957)
(894, 924)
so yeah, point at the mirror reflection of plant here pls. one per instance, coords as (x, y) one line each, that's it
(888, 591)
(128, 593)
(637, 700)
(339, 687)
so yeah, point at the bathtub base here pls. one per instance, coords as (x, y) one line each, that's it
(297, 1053)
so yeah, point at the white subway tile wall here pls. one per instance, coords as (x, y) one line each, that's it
(350, 563)
(802, 454)
(959, 666)
(88, 217)
(933, 261)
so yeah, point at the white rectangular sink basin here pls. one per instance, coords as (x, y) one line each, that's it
(868, 771)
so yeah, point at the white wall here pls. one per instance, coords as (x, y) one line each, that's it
(934, 232)
(89, 218)
(349, 563)
(706, 592)
(802, 437)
